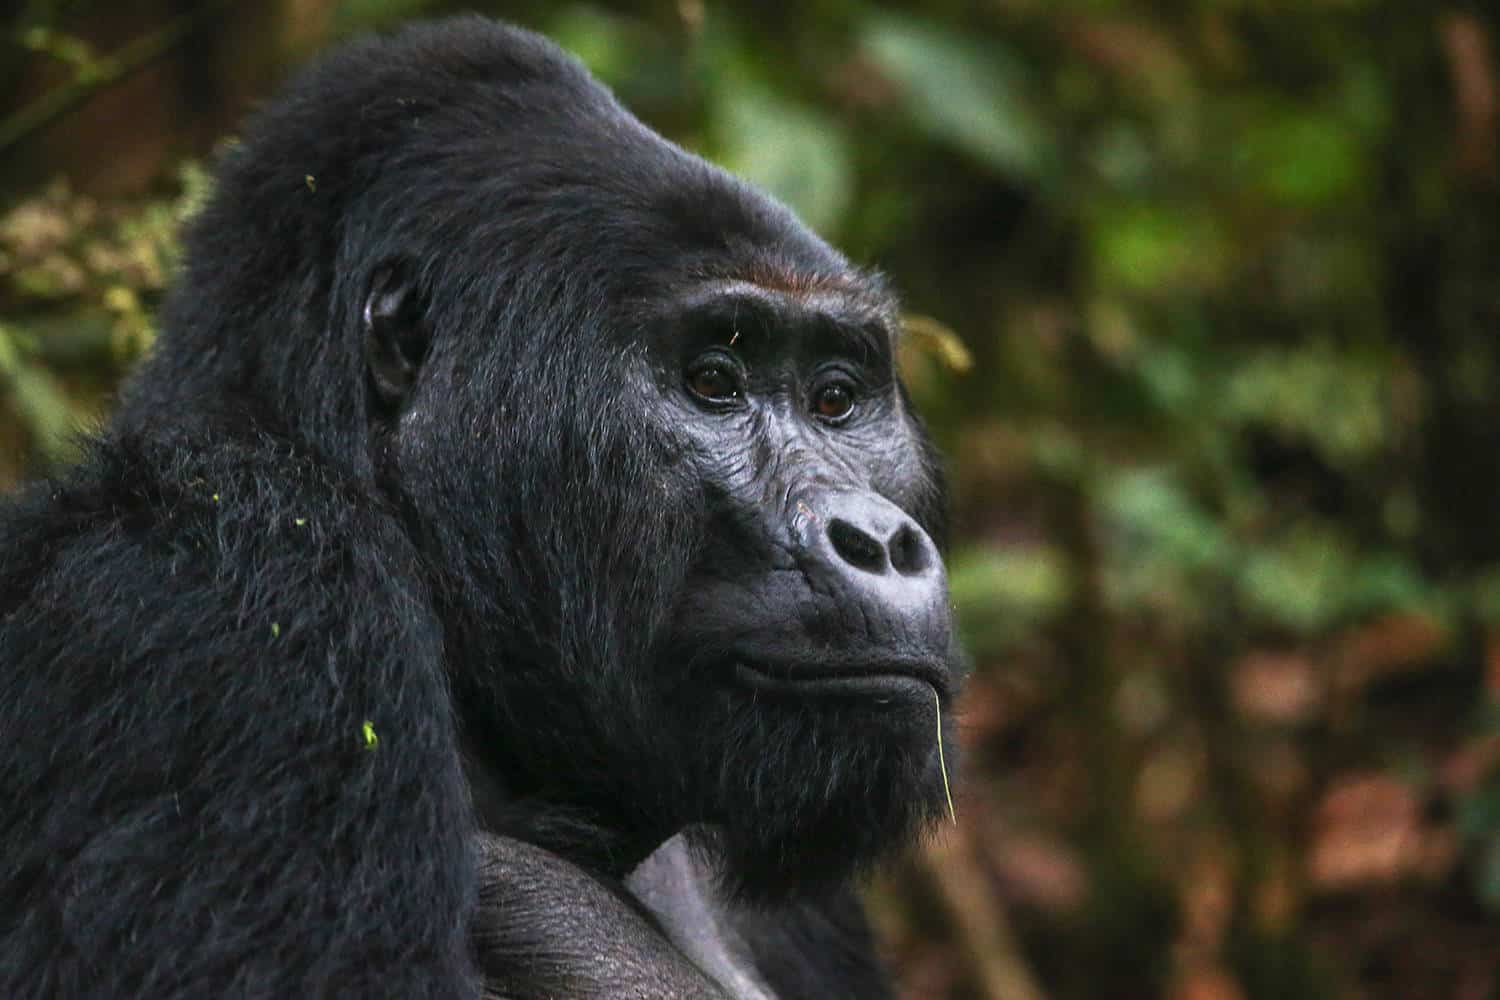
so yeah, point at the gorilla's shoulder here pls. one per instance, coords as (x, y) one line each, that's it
(214, 666)
(152, 514)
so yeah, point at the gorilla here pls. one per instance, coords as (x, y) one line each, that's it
(515, 572)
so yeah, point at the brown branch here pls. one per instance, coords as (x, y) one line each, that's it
(100, 73)
(983, 927)
(1466, 44)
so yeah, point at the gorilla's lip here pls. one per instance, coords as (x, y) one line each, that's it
(880, 680)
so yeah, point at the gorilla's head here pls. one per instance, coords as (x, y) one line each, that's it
(644, 428)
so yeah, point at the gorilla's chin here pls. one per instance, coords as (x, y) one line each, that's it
(812, 791)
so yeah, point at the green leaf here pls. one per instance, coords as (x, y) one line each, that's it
(1301, 158)
(800, 155)
(1149, 509)
(355, 15)
(1158, 249)
(1387, 582)
(1338, 403)
(1163, 549)
(938, 339)
(1001, 595)
(606, 43)
(1484, 591)
(1170, 379)
(41, 404)
(968, 94)
(1298, 583)
(1315, 577)
(1479, 812)
(1489, 874)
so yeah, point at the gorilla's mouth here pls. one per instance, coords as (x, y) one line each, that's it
(883, 681)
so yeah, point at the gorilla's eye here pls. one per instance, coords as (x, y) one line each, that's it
(834, 401)
(715, 382)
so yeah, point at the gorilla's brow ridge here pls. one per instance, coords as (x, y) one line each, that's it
(851, 311)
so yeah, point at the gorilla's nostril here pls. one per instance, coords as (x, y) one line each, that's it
(856, 547)
(909, 552)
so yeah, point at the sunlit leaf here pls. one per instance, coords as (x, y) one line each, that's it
(938, 339)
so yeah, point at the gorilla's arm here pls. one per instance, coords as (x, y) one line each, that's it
(819, 947)
(226, 757)
(545, 927)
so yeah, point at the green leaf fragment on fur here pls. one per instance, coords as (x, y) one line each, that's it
(371, 740)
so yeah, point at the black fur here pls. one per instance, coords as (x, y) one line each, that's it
(191, 805)
(408, 529)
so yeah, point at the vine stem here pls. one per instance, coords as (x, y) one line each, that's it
(97, 74)
(943, 764)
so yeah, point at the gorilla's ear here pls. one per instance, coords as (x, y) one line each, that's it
(396, 334)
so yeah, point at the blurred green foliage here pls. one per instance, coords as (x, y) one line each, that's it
(1205, 304)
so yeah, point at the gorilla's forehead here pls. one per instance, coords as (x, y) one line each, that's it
(499, 154)
(550, 162)
(845, 310)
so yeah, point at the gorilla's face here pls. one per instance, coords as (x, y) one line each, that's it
(817, 576)
(814, 626)
(648, 432)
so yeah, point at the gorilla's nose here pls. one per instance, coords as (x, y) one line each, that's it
(876, 540)
(876, 551)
